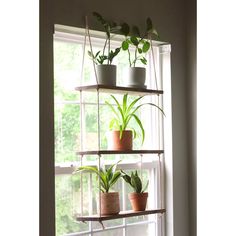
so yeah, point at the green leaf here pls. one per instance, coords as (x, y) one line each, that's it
(146, 186)
(100, 18)
(90, 54)
(134, 132)
(125, 103)
(87, 168)
(113, 54)
(125, 45)
(113, 109)
(136, 31)
(120, 110)
(140, 125)
(127, 179)
(140, 50)
(133, 103)
(143, 60)
(125, 29)
(115, 177)
(113, 123)
(149, 24)
(134, 40)
(136, 183)
(146, 46)
(152, 104)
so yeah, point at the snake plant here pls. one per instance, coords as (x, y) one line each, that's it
(134, 181)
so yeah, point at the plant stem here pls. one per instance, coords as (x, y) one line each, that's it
(135, 55)
(129, 58)
(109, 46)
(103, 51)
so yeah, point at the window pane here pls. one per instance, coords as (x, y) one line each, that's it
(141, 230)
(64, 215)
(114, 232)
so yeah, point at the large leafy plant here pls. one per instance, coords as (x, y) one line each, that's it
(107, 176)
(135, 181)
(107, 54)
(140, 43)
(124, 112)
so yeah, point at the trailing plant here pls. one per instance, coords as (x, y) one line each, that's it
(107, 176)
(140, 43)
(124, 112)
(135, 181)
(107, 54)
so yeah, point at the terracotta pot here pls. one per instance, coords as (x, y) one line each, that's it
(110, 203)
(138, 201)
(125, 143)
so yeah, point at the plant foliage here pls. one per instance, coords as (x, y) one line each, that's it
(107, 176)
(107, 54)
(124, 112)
(135, 182)
(140, 43)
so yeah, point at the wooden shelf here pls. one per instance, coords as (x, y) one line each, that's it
(122, 214)
(110, 152)
(118, 90)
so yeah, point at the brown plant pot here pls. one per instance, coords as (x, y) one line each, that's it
(125, 143)
(138, 201)
(110, 203)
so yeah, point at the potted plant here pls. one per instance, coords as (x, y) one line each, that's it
(137, 46)
(138, 198)
(110, 203)
(106, 72)
(121, 136)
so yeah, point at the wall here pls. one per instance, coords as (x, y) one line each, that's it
(169, 17)
(192, 110)
(47, 202)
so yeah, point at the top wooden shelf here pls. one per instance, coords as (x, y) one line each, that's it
(118, 90)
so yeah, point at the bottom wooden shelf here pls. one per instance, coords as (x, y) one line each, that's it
(122, 214)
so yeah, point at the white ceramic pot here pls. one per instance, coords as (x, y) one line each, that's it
(137, 77)
(106, 74)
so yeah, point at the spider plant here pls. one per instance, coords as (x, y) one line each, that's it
(107, 176)
(124, 112)
(135, 182)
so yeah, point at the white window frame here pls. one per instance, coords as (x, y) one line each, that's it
(72, 34)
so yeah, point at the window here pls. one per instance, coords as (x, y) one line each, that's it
(69, 67)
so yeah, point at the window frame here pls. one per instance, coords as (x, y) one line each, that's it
(62, 33)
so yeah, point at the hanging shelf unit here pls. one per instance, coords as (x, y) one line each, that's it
(98, 89)
(118, 90)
